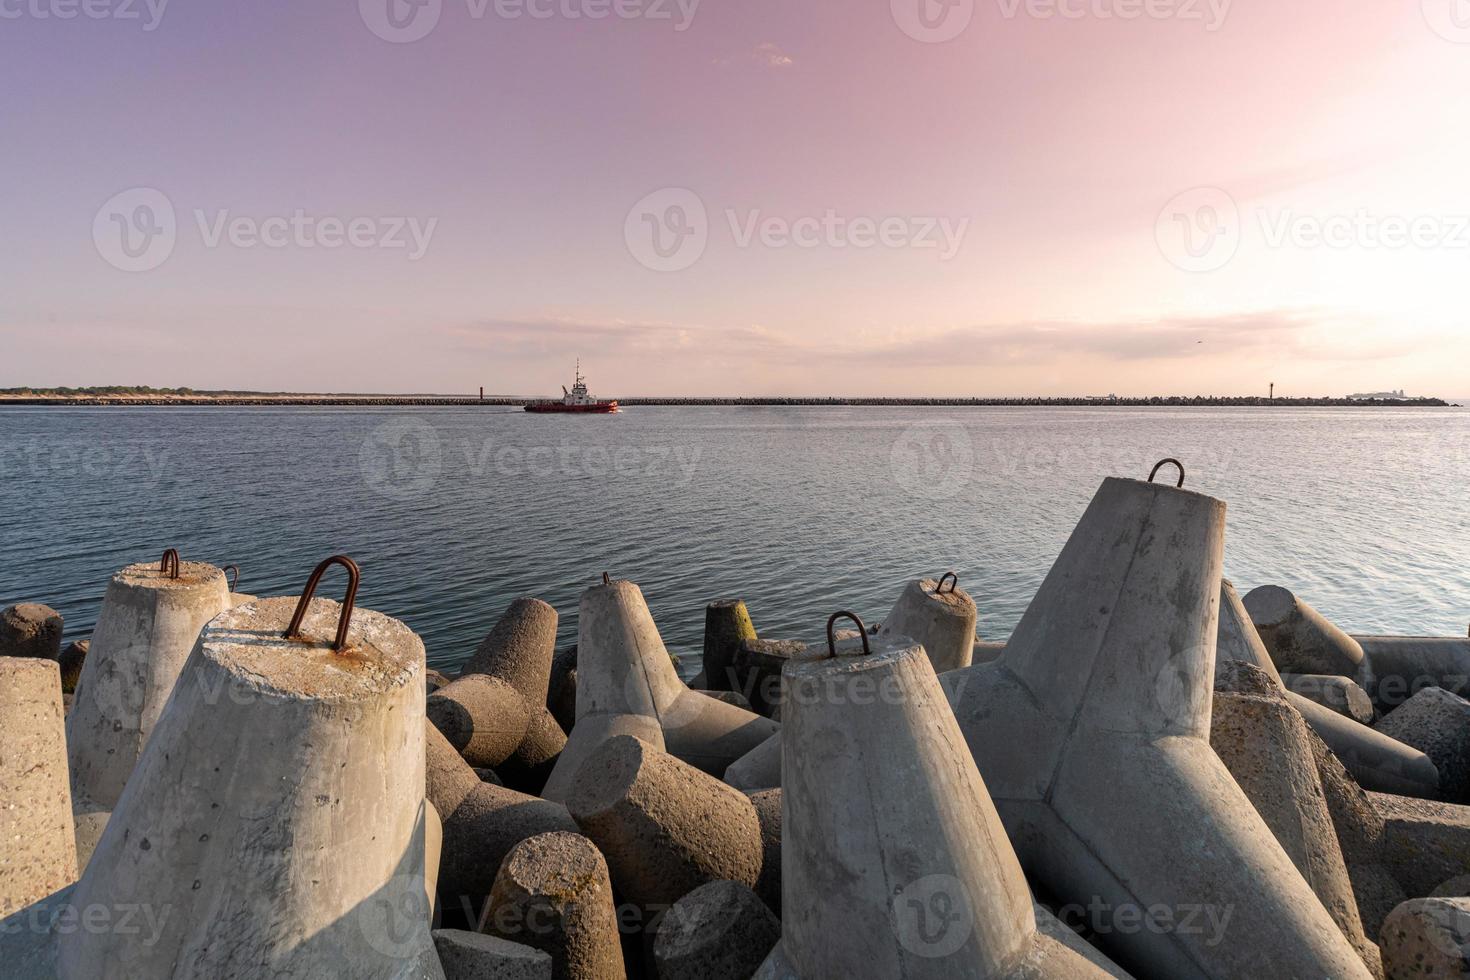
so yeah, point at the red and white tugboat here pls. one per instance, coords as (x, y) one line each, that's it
(576, 400)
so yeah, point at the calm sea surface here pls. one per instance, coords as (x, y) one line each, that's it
(453, 512)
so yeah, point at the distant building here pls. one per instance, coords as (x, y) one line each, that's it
(1380, 396)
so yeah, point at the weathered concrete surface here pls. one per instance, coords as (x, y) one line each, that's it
(474, 956)
(987, 651)
(448, 779)
(1237, 637)
(943, 623)
(433, 852)
(719, 931)
(757, 666)
(664, 826)
(519, 649)
(1377, 762)
(1426, 842)
(623, 668)
(1340, 694)
(587, 737)
(1428, 937)
(145, 631)
(1404, 665)
(890, 840)
(38, 854)
(483, 717)
(30, 629)
(1299, 638)
(726, 625)
(729, 697)
(561, 698)
(1097, 718)
(1266, 746)
(1456, 887)
(553, 894)
(290, 848)
(758, 769)
(1362, 836)
(532, 762)
(1437, 723)
(73, 656)
(90, 822)
(1060, 952)
(29, 936)
(767, 803)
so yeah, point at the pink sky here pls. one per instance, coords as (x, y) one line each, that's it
(1065, 197)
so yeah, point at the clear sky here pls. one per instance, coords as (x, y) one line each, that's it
(755, 197)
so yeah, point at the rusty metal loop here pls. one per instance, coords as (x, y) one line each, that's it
(954, 583)
(832, 634)
(345, 620)
(170, 563)
(1165, 462)
(234, 580)
(606, 579)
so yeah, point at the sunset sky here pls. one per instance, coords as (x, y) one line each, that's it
(707, 197)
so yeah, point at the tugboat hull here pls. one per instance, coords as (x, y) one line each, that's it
(593, 408)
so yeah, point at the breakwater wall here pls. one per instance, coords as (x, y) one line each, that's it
(502, 401)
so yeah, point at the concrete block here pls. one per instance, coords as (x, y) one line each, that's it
(145, 631)
(30, 629)
(757, 668)
(1377, 762)
(534, 759)
(433, 852)
(1266, 746)
(1426, 842)
(1362, 837)
(519, 649)
(1340, 694)
(73, 656)
(767, 803)
(1092, 732)
(1402, 666)
(553, 894)
(1236, 637)
(941, 619)
(38, 854)
(623, 668)
(483, 717)
(726, 625)
(277, 812)
(1438, 724)
(728, 697)
(1456, 887)
(760, 768)
(665, 827)
(1299, 638)
(587, 737)
(475, 956)
(1428, 937)
(561, 698)
(889, 837)
(719, 931)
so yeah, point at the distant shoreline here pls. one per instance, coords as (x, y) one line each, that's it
(245, 399)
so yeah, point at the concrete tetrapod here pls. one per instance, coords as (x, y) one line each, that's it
(726, 625)
(38, 854)
(1404, 665)
(519, 649)
(145, 631)
(1267, 747)
(623, 668)
(278, 810)
(553, 894)
(1092, 730)
(1437, 723)
(1237, 637)
(758, 769)
(30, 629)
(1340, 694)
(940, 617)
(894, 861)
(1300, 639)
(719, 931)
